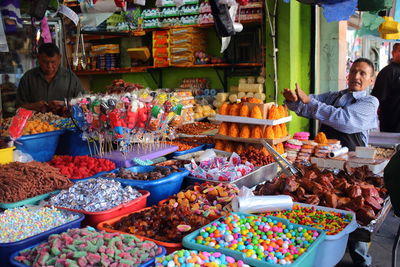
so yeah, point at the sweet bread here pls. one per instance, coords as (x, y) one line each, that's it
(233, 130)
(219, 145)
(235, 110)
(277, 131)
(244, 111)
(223, 128)
(256, 113)
(269, 133)
(224, 109)
(256, 132)
(245, 131)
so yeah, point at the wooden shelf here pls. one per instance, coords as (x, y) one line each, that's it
(145, 68)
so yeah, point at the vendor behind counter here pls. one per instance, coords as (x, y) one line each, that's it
(49, 84)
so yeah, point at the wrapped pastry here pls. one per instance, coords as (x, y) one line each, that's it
(279, 148)
(256, 132)
(321, 138)
(228, 147)
(265, 151)
(273, 113)
(269, 133)
(277, 131)
(235, 110)
(244, 111)
(219, 145)
(224, 109)
(256, 113)
(223, 128)
(245, 131)
(239, 148)
(283, 129)
(233, 130)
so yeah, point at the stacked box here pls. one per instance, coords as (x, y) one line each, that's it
(160, 49)
(183, 43)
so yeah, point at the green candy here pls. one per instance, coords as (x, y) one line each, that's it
(79, 254)
(55, 251)
(125, 261)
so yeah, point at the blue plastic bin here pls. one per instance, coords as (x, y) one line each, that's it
(180, 153)
(41, 147)
(305, 260)
(71, 144)
(159, 189)
(146, 264)
(6, 249)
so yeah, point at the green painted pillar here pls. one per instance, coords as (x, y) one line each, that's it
(294, 50)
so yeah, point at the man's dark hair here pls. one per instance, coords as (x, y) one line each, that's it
(396, 46)
(366, 60)
(49, 49)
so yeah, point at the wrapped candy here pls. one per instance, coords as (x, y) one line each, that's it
(245, 131)
(256, 113)
(234, 130)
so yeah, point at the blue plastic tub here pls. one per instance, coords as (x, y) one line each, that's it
(180, 153)
(146, 264)
(41, 147)
(6, 249)
(307, 259)
(71, 144)
(159, 189)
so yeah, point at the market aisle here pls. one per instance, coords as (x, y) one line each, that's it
(381, 248)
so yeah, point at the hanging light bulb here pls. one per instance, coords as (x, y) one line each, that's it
(37, 35)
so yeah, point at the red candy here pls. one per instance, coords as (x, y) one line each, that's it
(79, 167)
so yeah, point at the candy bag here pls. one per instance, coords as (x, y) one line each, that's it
(18, 123)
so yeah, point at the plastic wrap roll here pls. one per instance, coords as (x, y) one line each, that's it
(338, 152)
(257, 204)
(213, 92)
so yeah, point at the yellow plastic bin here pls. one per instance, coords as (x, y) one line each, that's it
(6, 155)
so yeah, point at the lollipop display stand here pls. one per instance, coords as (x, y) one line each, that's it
(142, 152)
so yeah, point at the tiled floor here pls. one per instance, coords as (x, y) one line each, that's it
(381, 247)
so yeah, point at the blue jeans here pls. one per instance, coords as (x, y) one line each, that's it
(359, 253)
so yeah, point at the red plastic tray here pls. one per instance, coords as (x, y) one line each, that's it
(93, 218)
(170, 247)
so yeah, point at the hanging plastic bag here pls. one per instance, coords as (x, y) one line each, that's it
(18, 123)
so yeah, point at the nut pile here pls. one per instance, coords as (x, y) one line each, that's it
(158, 173)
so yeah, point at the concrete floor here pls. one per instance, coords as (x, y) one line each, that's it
(381, 246)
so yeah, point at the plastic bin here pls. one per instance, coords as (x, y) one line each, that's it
(71, 144)
(6, 155)
(332, 249)
(42, 146)
(159, 189)
(93, 218)
(6, 249)
(20, 264)
(28, 201)
(180, 153)
(170, 247)
(305, 260)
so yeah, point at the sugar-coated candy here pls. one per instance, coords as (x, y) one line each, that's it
(198, 258)
(94, 195)
(20, 223)
(87, 247)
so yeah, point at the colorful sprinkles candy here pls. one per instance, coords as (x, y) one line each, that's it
(258, 237)
(329, 221)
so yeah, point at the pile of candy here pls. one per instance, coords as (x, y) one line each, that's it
(87, 247)
(37, 126)
(256, 157)
(46, 117)
(208, 199)
(329, 221)
(220, 169)
(19, 181)
(196, 128)
(162, 223)
(258, 237)
(79, 167)
(156, 174)
(182, 146)
(20, 223)
(198, 140)
(200, 258)
(173, 163)
(94, 195)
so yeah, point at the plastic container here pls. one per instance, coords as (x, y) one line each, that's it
(180, 153)
(332, 249)
(6, 155)
(20, 264)
(71, 144)
(159, 189)
(28, 201)
(41, 147)
(305, 260)
(6, 249)
(93, 218)
(171, 247)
